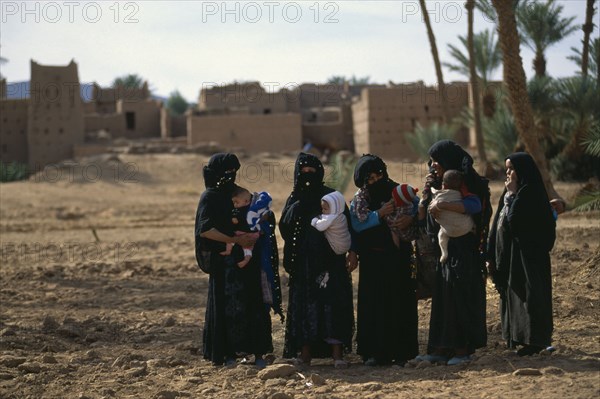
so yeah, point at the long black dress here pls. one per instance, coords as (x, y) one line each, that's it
(387, 306)
(316, 316)
(237, 320)
(521, 238)
(458, 306)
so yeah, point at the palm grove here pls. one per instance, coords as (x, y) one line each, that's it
(556, 120)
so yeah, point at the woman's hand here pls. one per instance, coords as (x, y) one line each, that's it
(402, 222)
(245, 240)
(351, 261)
(559, 205)
(386, 208)
(511, 185)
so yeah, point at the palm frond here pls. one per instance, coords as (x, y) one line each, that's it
(422, 138)
(592, 141)
(587, 201)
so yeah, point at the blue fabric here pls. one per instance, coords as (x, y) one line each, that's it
(472, 204)
(416, 205)
(261, 204)
(266, 254)
(371, 221)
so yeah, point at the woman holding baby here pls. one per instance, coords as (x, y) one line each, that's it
(458, 309)
(387, 306)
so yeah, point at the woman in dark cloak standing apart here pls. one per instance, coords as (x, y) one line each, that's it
(387, 330)
(521, 238)
(237, 321)
(320, 316)
(458, 309)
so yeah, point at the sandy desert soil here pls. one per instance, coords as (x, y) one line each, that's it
(100, 297)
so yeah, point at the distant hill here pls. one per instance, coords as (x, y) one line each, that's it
(20, 90)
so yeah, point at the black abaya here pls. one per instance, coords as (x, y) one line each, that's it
(317, 316)
(387, 306)
(521, 238)
(236, 320)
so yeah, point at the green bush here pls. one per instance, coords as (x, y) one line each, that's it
(424, 137)
(13, 171)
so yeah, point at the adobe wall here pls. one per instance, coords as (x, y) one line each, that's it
(172, 125)
(112, 123)
(13, 131)
(360, 119)
(251, 96)
(254, 133)
(329, 127)
(55, 118)
(383, 116)
(146, 114)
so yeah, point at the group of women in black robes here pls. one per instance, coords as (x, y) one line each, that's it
(321, 315)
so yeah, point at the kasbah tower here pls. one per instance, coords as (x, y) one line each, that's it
(55, 115)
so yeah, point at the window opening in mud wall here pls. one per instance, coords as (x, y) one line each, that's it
(130, 120)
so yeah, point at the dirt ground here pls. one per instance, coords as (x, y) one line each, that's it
(100, 297)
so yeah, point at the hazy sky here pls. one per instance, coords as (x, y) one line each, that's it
(187, 44)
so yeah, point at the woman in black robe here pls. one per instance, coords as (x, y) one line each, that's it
(237, 321)
(320, 315)
(387, 306)
(521, 238)
(458, 309)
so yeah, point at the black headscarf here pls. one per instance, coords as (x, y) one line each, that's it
(451, 156)
(302, 205)
(216, 175)
(381, 190)
(529, 216)
(308, 181)
(528, 172)
(308, 186)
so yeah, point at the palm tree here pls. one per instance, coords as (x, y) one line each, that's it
(514, 79)
(541, 26)
(589, 200)
(593, 59)
(176, 104)
(470, 5)
(587, 28)
(436, 61)
(488, 56)
(578, 101)
(130, 81)
(488, 59)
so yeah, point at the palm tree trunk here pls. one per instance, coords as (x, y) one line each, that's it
(470, 5)
(539, 64)
(588, 27)
(514, 78)
(436, 61)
